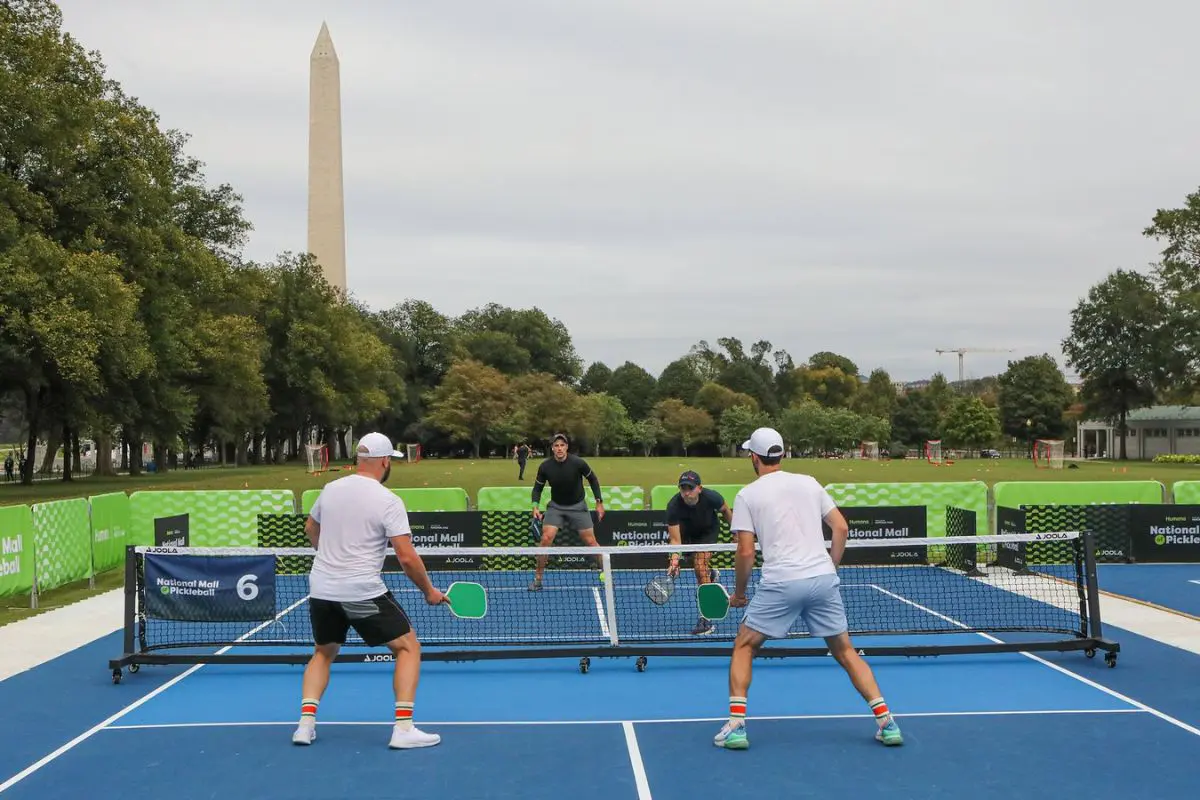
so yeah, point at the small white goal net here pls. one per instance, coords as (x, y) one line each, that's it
(933, 451)
(870, 451)
(412, 453)
(318, 458)
(1048, 453)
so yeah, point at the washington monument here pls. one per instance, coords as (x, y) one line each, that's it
(326, 207)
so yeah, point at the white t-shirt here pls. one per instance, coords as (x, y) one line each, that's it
(358, 516)
(784, 510)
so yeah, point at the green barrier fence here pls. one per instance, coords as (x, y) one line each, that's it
(520, 498)
(16, 550)
(205, 518)
(936, 497)
(111, 529)
(415, 498)
(1186, 493)
(1014, 494)
(62, 539)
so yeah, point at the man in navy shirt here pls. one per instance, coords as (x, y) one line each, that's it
(693, 517)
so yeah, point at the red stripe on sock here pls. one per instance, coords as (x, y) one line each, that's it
(881, 710)
(308, 708)
(403, 713)
(737, 708)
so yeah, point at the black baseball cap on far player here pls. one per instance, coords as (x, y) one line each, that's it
(558, 436)
(689, 480)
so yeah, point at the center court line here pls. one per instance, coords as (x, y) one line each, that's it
(1086, 681)
(90, 732)
(635, 760)
(756, 718)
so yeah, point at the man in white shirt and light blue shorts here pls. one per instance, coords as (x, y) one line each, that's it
(784, 511)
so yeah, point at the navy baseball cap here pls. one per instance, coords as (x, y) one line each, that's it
(558, 436)
(689, 478)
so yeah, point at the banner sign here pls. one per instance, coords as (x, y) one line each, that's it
(1165, 533)
(16, 550)
(883, 522)
(210, 588)
(171, 531)
(444, 529)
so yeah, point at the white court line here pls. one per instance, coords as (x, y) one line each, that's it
(1191, 581)
(600, 612)
(1086, 681)
(755, 718)
(44, 760)
(635, 760)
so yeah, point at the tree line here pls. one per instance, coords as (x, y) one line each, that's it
(128, 315)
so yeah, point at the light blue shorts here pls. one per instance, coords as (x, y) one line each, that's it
(774, 607)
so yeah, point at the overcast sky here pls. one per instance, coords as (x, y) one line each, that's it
(875, 178)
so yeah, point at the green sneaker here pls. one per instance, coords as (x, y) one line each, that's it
(889, 735)
(732, 738)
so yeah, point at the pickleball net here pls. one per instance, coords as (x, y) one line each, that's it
(907, 596)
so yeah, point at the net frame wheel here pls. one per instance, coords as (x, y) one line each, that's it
(641, 663)
(1090, 652)
(1110, 659)
(584, 664)
(133, 668)
(116, 676)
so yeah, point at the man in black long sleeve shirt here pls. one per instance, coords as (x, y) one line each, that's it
(568, 504)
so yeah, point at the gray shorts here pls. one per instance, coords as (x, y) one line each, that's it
(576, 517)
(817, 600)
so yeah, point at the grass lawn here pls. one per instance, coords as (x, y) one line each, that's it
(473, 474)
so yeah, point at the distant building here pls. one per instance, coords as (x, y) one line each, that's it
(1157, 430)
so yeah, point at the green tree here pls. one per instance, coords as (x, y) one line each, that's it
(471, 399)
(970, 424)
(1177, 278)
(683, 423)
(634, 387)
(596, 379)
(545, 406)
(1033, 398)
(1122, 346)
(546, 340)
(647, 433)
(736, 423)
(803, 425)
(607, 421)
(915, 420)
(680, 379)
(877, 397)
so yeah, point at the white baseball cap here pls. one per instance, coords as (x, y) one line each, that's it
(376, 445)
(764, 442)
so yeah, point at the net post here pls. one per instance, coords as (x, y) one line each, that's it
(610, 605)
(130, 596)
(1092, 584)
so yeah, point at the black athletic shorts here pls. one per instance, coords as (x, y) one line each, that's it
(378, 621)
(702, 536)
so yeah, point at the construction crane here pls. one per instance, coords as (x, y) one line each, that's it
(963, 350)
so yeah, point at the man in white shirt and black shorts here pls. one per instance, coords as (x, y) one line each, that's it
(351, 525)
(799, 578)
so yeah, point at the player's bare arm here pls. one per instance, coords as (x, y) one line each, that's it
(727, 513)
(841, 532)
(414, 568)
(312, 529)
(743, 562)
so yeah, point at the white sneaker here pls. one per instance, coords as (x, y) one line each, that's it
(413, 737)
(306, 734)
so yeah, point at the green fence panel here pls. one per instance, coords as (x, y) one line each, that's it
(16, 550)
(661, 495)
(415, 498)
(62, 537)
(219, 518)
(1014, 494)
(971, 495)
(520, 498)
(111, 528)
(1186, 493)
